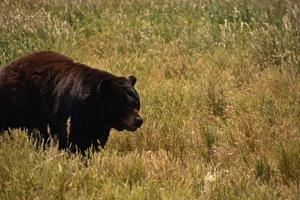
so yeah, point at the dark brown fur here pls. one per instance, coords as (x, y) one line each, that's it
(46, 88)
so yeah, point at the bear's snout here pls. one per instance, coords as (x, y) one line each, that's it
(138, 121)
(133, 121)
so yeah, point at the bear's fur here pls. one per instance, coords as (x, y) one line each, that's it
(43, 89)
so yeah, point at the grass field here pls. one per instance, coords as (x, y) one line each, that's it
(220, 89)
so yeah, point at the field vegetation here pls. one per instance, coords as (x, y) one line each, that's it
(220, 89)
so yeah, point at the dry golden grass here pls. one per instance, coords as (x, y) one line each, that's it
(220, 90)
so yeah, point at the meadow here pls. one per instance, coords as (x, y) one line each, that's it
(219, 83)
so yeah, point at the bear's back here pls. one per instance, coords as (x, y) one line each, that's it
(34, 68)
(28, 86)
(42, 58)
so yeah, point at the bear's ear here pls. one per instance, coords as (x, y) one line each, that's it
(132, 80)
(104, 87)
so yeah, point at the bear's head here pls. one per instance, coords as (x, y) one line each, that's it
(120, 103)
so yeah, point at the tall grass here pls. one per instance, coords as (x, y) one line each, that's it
(220, 90)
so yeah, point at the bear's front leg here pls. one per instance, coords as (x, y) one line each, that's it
(85, 134)
(58, 128)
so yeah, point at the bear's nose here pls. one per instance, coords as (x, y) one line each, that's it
(138, 121)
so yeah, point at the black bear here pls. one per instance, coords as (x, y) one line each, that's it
(43, 89)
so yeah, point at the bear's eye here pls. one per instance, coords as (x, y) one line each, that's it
(130, 93)
(131, 102)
